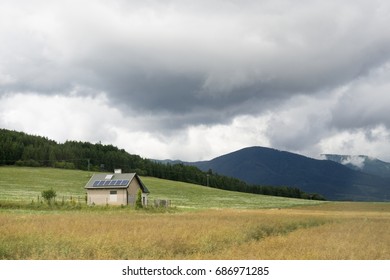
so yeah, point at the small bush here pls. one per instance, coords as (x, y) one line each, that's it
(138, 203)
(49, 195)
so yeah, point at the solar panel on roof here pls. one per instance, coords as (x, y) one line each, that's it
(101, 183)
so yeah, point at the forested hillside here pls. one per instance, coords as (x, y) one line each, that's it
(18, 148)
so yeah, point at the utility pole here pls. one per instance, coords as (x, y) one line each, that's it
(89, 163)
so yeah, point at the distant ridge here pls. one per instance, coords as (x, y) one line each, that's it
(267, 166)
(362, 163)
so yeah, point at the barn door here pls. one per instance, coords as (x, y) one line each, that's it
(113, 196)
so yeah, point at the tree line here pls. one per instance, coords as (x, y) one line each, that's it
(21, 149)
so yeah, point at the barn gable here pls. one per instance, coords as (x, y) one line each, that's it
(115, 189)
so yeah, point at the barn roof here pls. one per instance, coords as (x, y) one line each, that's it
(114, 181)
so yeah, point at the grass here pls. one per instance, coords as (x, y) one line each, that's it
(26, 184)
(207, 234)
(205, 223)
(190, 196)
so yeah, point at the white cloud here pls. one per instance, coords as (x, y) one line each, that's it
(206, 142)
(302, 128)
(6, 79)
(357, 161)
(196, 142)
(358, 142)
(60, 117)
(92, 118)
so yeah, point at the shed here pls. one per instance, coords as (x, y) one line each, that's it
(115, 189)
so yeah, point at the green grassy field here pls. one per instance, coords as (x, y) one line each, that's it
(26, 184)
(204, 223)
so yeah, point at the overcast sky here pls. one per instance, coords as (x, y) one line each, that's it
(192, 80)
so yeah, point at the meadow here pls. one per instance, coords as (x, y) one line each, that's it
(204, 223)
(24, 185)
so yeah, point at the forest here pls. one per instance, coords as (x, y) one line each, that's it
(21, 149)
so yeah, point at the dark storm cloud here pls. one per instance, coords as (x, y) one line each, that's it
(365, 102)
(194, 62)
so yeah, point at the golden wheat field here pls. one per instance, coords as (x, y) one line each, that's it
(327, 231)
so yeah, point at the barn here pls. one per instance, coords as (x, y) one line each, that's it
(115, 189)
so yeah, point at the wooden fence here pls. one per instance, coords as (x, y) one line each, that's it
(63, 199)
(164, 203)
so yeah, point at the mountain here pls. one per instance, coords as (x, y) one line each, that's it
(266, 166)
(362, 163)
